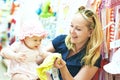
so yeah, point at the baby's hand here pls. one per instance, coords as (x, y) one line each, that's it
(20, 57)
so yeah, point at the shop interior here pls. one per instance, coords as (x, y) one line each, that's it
(55, 15)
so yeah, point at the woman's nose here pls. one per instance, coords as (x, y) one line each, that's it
(72, 30)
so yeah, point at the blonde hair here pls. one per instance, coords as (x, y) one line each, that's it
(95, 41)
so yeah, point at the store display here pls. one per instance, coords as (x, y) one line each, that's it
(56, 15)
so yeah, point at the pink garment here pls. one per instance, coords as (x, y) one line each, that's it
(112, 3)
(28, 67)
(31, 28)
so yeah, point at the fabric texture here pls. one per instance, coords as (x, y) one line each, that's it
(47, 65)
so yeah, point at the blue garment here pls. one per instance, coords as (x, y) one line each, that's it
(73, 63)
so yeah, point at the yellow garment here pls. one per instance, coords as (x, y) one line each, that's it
(47, 65)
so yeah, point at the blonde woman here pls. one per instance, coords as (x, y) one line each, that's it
(80, 49)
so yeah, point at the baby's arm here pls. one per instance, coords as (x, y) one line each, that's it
(7, 53)
(42, 56)
(43, 52)
(10, 52)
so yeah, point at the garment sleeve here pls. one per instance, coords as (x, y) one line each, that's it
(98, 62)
(58, 41)
(15, 46)
(10, 49)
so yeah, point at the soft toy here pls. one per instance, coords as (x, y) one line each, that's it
(46, 10)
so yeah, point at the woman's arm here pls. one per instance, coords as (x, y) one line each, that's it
(47, 50)
(50, 48)
(86, 73)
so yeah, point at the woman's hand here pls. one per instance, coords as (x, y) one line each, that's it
(59, 63)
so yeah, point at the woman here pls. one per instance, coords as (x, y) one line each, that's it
(80, 49)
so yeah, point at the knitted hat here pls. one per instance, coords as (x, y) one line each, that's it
(30, 29)
(114, 66)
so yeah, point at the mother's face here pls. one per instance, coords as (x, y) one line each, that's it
(79, 30)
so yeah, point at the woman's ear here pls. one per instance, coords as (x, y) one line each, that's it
(90, 32)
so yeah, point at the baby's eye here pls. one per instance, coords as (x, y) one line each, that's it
(40, 40)
(71, 25)
(35, 40)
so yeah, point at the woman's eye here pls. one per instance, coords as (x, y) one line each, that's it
(78, 29)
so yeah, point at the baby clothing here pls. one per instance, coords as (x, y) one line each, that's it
(28, 66)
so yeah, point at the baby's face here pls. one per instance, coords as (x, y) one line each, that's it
(33, 42)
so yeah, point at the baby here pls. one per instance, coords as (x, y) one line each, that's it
(24, 53)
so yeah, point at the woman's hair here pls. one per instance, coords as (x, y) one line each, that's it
(96, 38)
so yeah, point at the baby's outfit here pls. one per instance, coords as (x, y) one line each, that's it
(27, 67)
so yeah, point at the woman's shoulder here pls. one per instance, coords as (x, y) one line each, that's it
(59, 40)
(61, 37)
